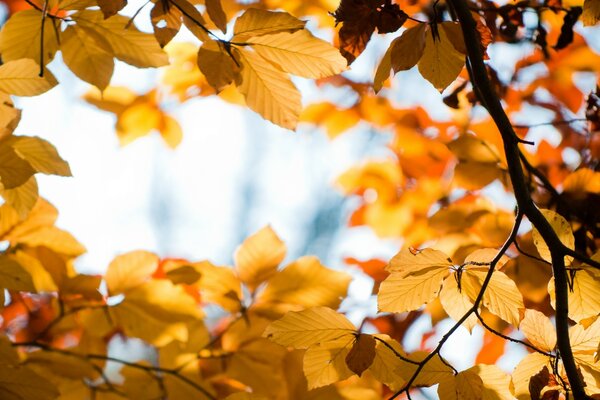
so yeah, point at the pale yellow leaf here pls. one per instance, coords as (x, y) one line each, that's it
(21, 37)
(255, 22)
(484, 257)
(563, 231)
(538, 329)
(88, 54)
(268, 91)
(529, 366)
(408, 262)
(130, 270)
(400, 293)
(219, 285)
(42, 215)
(304, 328)
(40, 154)
(300, 53)
(22, 198)
(21, 383)
(584, 341)
(325, 363)
(591, 12)
(305, 282)
(496, 383)
(583, 300)
(128, 43)
(21, 78)
(434, 371)
(456, 303)
(466, 385)
(257, 259)
(156, 311)
(407, 50)
(13, 276)
(441, 63)
(501, 297)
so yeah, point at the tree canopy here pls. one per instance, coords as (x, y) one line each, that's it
(497, 217)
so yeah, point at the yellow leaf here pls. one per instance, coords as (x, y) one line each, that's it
(407, 262)
(42, 215)
(466, 385)
(305, 282)
(484, 257)
(217, 65)
(156, 311)
(591, 12)
(434, 371)
(441, 62)
(128, 43)
(401, 293)
(166, 21)
(304, 328)
(562, 229)
(14, 171)
(136, 121)
(501, 297)
(300, 53)
(529, 366)
(496, 383)
(256, 260)
(21, 78)
(55, 239)
(456, 303)
(538, 329)
(41, 278)
(362, 354)
(269, 91)
(386, 362)
(255, 22)
(113, 99)
(60, 365)
(584, 341)
(408, 49)
(170, 131)
(191, 18)
(325, 363)
(139, 384)
(88, 54)
(40, 154)
(130, 270)
(22, 198)
(219, 285)
(21, 37)
(21, 383)
(13, 276)
(216, 14)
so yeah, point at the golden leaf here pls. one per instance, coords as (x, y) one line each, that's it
(216, 14)
(529, 366)
(255, 22)
(466, 385)
(299, 53)
(88, 54)
(13, 276)
(166, 21)
(23, 197)
(407, 50)
(22, 383)
(14, 171)
(501, 297)
(591, 12)
(128, 43)
(383, 70)
(434, 371)
(305, 282)
(496, 383)
(304, 328)
(21, 78)
(219, 285)
(139, 384)
(256, 260)
(130, 270)
(456, 303)
(407, 262)
(386, 362)
(563, 231)
(21, 37)
(401, 293)
(268, 91)
(325, 363)
(55, 239)
(538, 329)
(441, 62)
(40, 154)
(219, 67)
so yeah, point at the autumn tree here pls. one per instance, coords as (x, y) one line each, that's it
(524, 271)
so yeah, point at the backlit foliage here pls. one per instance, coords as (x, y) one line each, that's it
(264, 328)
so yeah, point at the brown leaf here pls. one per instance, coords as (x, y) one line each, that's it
(362, 354)
(111, 7)
(166, 21)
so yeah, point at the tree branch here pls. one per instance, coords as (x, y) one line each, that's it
(491, 101)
